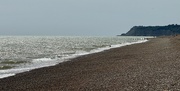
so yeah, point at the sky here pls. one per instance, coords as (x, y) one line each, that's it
(84, 17)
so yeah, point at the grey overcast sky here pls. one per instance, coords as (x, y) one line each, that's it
(84, 17)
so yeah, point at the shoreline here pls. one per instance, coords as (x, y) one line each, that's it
(64, 59)
(153, 65)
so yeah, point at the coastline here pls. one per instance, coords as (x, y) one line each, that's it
(46, 62)
(153, 65)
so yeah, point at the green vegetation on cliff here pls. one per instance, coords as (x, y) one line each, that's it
(153, 30)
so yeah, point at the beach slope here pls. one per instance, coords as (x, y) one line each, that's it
(154, 65)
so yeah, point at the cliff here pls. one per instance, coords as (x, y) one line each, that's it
(153, 30)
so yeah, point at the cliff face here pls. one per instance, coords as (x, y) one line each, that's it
(153, 30)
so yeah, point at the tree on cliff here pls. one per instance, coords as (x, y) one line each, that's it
(172, 29)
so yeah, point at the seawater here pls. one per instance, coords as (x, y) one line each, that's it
(23, 53)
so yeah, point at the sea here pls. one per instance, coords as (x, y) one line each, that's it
(23, 53)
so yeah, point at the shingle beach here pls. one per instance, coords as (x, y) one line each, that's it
(149, 66)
